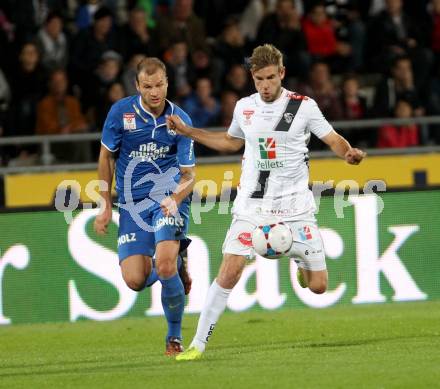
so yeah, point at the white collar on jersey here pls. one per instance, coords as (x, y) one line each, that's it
(151, 115)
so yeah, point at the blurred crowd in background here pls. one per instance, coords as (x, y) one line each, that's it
(63, 63)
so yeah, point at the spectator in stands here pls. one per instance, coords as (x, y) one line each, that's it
(107, 73)
(52, 43)
(399, 136)
(204, 64)
(321, 88)
(178, 70)
(435, 30)
(354, 107)
(322, 42)
(29, 86)
(283, 29)
(181, 24)
(85, 13)
(230, 47)
(60, 113)
(7, 36)
(129, 74)
(228, 100)
(137, 37)
(237, 80)
(349, 27)
(253, 15)
(399, 86)
(5, 98)
(202, 107)
(90, 44)
(392, 34)
(114, 92)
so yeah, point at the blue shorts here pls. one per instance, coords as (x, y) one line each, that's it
(141, 236)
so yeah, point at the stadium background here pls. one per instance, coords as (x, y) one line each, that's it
(69, 274)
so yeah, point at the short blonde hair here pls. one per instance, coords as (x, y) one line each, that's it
(150, 65)
(265, 55)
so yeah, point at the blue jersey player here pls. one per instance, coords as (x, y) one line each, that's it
(154, 177)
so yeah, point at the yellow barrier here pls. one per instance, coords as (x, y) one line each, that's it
(397, 171)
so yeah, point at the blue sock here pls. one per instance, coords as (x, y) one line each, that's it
(173, 302)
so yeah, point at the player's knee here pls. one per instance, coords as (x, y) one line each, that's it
(134, 282)
(318, 287)
(165, 269)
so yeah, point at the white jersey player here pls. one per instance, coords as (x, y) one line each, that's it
(275, 126)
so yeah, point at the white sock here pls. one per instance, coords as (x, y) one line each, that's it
(215, 305)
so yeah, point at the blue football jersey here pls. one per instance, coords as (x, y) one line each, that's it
(148, 154)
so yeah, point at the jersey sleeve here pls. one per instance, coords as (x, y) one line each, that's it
(112, 131)
(185, 146)
(234, 129)
(317, 123)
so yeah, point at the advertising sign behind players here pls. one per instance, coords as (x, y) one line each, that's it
(52, 271)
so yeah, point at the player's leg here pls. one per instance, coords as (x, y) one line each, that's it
(170, 237)
(218, 294)
(135, 270)
(173, 292)
(182, 266)
(236, 249)
(308, 250)
(316, 281)
(135, 249)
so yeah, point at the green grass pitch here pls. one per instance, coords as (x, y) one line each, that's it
(371, 346)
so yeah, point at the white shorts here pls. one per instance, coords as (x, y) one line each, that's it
(307, 249)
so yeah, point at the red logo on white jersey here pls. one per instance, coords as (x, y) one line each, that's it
(248, 113)
(296, 96)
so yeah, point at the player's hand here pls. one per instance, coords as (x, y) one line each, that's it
(175, 123)
(354, 156)
(102, 221)
(169, 206)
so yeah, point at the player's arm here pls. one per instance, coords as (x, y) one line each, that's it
(106, 167)
(220, 141)
(340, 146)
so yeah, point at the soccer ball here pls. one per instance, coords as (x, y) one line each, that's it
(272, 240)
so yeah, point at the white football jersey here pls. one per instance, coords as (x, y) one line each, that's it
(275, 172)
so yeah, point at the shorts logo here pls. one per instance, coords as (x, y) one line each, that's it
(305, 233)
(267, 148)
(127, 238)
(129, 120)
(245, 239)
(168, 221)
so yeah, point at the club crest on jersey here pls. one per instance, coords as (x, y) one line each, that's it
(288, 117)
(248, 114)
(171, 132)
(267, 148)
(129, 120)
